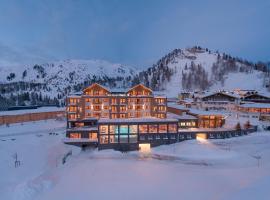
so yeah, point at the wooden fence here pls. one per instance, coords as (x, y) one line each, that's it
(10, 119)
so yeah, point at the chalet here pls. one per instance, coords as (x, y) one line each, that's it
(258, 98)
(219, 101)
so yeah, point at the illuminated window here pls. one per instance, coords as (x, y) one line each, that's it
(153, 128)
(172, 128)
(182, 124)
(75, 135)
(133, 129)
(104, 139)
(114, 108)
(114, 101)
(122, 100)
(163, 128)
(114, 116)
(114, 129)
(123, 108)
(92, 135)
(122, 115)
(103, 129)
(77, 124)
(142, 128)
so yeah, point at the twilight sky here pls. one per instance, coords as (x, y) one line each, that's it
(134, 32)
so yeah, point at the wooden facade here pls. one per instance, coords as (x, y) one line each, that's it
(99, 102)
(20, 118)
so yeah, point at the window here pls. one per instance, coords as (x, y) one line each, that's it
(113, 138)
(133, 129)
(114, 101)
(182, 124)
(72, 109)
(123, 138)
(104, 139)
(172, 128)
(114, 109)
(75, 135)
(103, 129)
(124, 129)
(163, 128)
(77, 124)
(153, 128)
(133, 138)
(122, 115)
(123, 108)
(114, 116)
(97, 108)
(143, 129)
(122, 100)
(114, 129)
(92, 135)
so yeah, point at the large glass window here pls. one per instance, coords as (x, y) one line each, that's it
(103, 129)
(124, 129)
(104, 139)
(163, 128)
(133, 138)
(114, 129)
(153, 128)
(123, 138)
(133, 129)
(113, 138)
(92, 135)
(172, 128)
(75, 135)
(142, 128)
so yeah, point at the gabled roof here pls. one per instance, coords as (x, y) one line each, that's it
(96, 84)
(256, 94)
(223, 93)
(140, 85)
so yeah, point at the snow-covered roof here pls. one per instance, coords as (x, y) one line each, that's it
(177, 106)
(37, 110)
(182, 117)
(137, 120)
(204, 112)
(255, 105)
(230, 94)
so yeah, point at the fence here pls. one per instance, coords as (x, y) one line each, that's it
(10, 119)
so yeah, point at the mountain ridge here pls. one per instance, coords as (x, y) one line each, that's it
(193, 68)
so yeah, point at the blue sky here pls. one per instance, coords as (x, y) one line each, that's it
(134, 32)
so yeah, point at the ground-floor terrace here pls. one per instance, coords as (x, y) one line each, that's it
(132, 134)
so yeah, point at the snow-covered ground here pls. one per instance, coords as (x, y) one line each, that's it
(213, 169)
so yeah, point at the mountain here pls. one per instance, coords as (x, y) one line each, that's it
(49, 83)
(198, 68)
(193, 68)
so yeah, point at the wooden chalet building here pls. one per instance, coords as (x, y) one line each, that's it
(219, 101)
